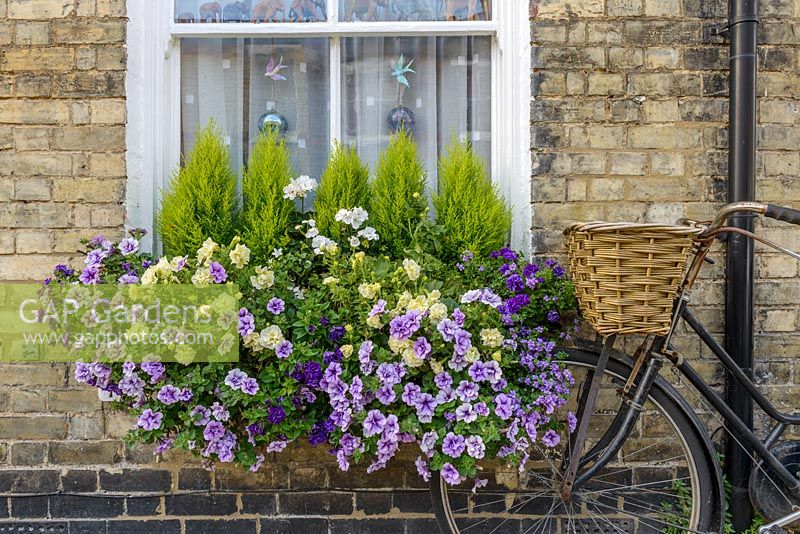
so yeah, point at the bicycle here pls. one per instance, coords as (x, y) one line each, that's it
(640, 460)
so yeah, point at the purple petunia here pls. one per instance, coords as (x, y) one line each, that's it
(490, 298)
(150, 420)
(422, 348)
(95, 257)
(504, 406)
(132, 385)
(467, 391)
(378, 308)
(450, 474)
(374, 423)
(466, 413)
(128, 246)
(443, 380)
(515, 283)
(403, 326)
(505, 253)
(235, 378)
(453, 445)
(249, 386)
(410, 393)
(213, 431)
(128, 278)
(553, 316)
(572, 422)
(475, 447)
(386, 394)
(336, 333)
(422, 469)
(462, 342)
(551, 438)
(217, 272)
(155, 370)
(168, 394)
(276, 306)
(277, 445)
(276, 415)
(477, 371)
(220, 412)
(203, 413)
(284, 349)
(428, 442)
(447, 328)
(425, 404)
(530, 270)
(493, 371)
(247, 323)
(90, 275)
(64, 270)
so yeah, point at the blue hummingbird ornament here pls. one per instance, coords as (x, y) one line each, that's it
(401, 69)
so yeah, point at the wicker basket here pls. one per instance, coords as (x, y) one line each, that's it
(626, 275)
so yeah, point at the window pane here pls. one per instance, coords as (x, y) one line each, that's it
(373, 10)
(448, 93)
(244, 83)
(250, 11)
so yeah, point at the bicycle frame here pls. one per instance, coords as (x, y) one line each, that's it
(653, 352)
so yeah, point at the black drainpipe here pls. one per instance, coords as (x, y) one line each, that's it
(743, 24)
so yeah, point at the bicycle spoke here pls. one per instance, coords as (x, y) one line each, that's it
(645, 518)
(543, 520)
(724, 424)
(635, 488)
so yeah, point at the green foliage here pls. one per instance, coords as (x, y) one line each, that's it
(399, 204)
(471, 211)
(676, 515)
(266, 215)
(344, 185)
(201, 200)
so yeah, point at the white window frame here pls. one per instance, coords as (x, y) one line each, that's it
(153, 93)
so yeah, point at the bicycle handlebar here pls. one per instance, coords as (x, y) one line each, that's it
(782, 214)
(731, 209)
(768, 210)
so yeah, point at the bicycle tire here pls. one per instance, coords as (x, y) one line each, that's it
(707, 489)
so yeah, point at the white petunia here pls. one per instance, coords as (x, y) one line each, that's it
(368, 233)
(299, 187)
(412, 269)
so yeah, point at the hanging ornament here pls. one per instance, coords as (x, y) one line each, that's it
(272, 120)
(401, 117)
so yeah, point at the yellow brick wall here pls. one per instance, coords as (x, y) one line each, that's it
(62, 129)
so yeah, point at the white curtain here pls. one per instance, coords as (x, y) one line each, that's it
(211, 88)
(224, 80)
(449, 93)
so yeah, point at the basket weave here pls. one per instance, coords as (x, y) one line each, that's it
(626, 275)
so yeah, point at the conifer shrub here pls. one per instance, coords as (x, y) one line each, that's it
(473, 215)
(266, 214)
(344, 185)
(201, 200)
(398, 203)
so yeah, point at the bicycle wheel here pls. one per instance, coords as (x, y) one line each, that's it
(664, 479)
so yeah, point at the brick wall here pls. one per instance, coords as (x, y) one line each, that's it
(629, 122)
(62, 133)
